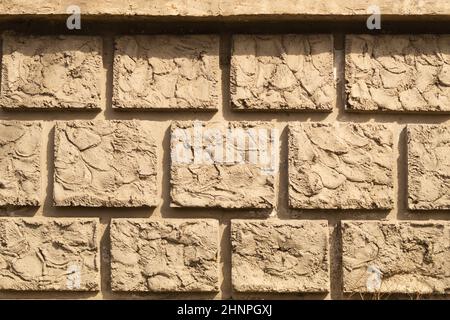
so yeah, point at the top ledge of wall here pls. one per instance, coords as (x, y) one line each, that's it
(228, 8)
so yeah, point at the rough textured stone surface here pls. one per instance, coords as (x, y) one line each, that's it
(280, 256)
(292, 72)
(49, 254)
(20, 168)
(396, 257)
(345, 166)
(398, 72)
(164, 256)
(228, 8)
(51, 72)
(164, 71)
(105, 163)
(324, 8)
(113, 7)
(228, 165)
(429, 166)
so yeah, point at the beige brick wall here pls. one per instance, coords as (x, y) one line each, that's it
(122, 174)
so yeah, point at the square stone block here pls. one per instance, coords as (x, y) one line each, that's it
(174, 255)
(396, 257)
(20, 165)
(105, 163)
(429, 166)
(290, 72)
(340, 166)
(398, 73)
(280, 256)
(51, 72)
(166, 72)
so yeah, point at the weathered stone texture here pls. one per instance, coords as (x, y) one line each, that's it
(407, 73)
(105, 163)
(129, 8)
(429, 166)
(326, 9)
(51, 72)
(39, 254)
(340, 166)
(164, 256)
(227, 165)
(20, 163)
(293, 72)
(165, 71)
(396, 257)
(280, 256)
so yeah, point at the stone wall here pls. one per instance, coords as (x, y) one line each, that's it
(217, 159)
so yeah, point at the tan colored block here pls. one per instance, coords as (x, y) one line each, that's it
(51, 72)
(396, 257)
(324, 10)
(340, 166)
(405, 73)
(128, 9)
(20, 163)
(282, 72)
(105, 163)
(429, 166)
(166, 71)
(320, 10)
(226, 165)
(280, 256)
(44, 254)
(172, 255)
